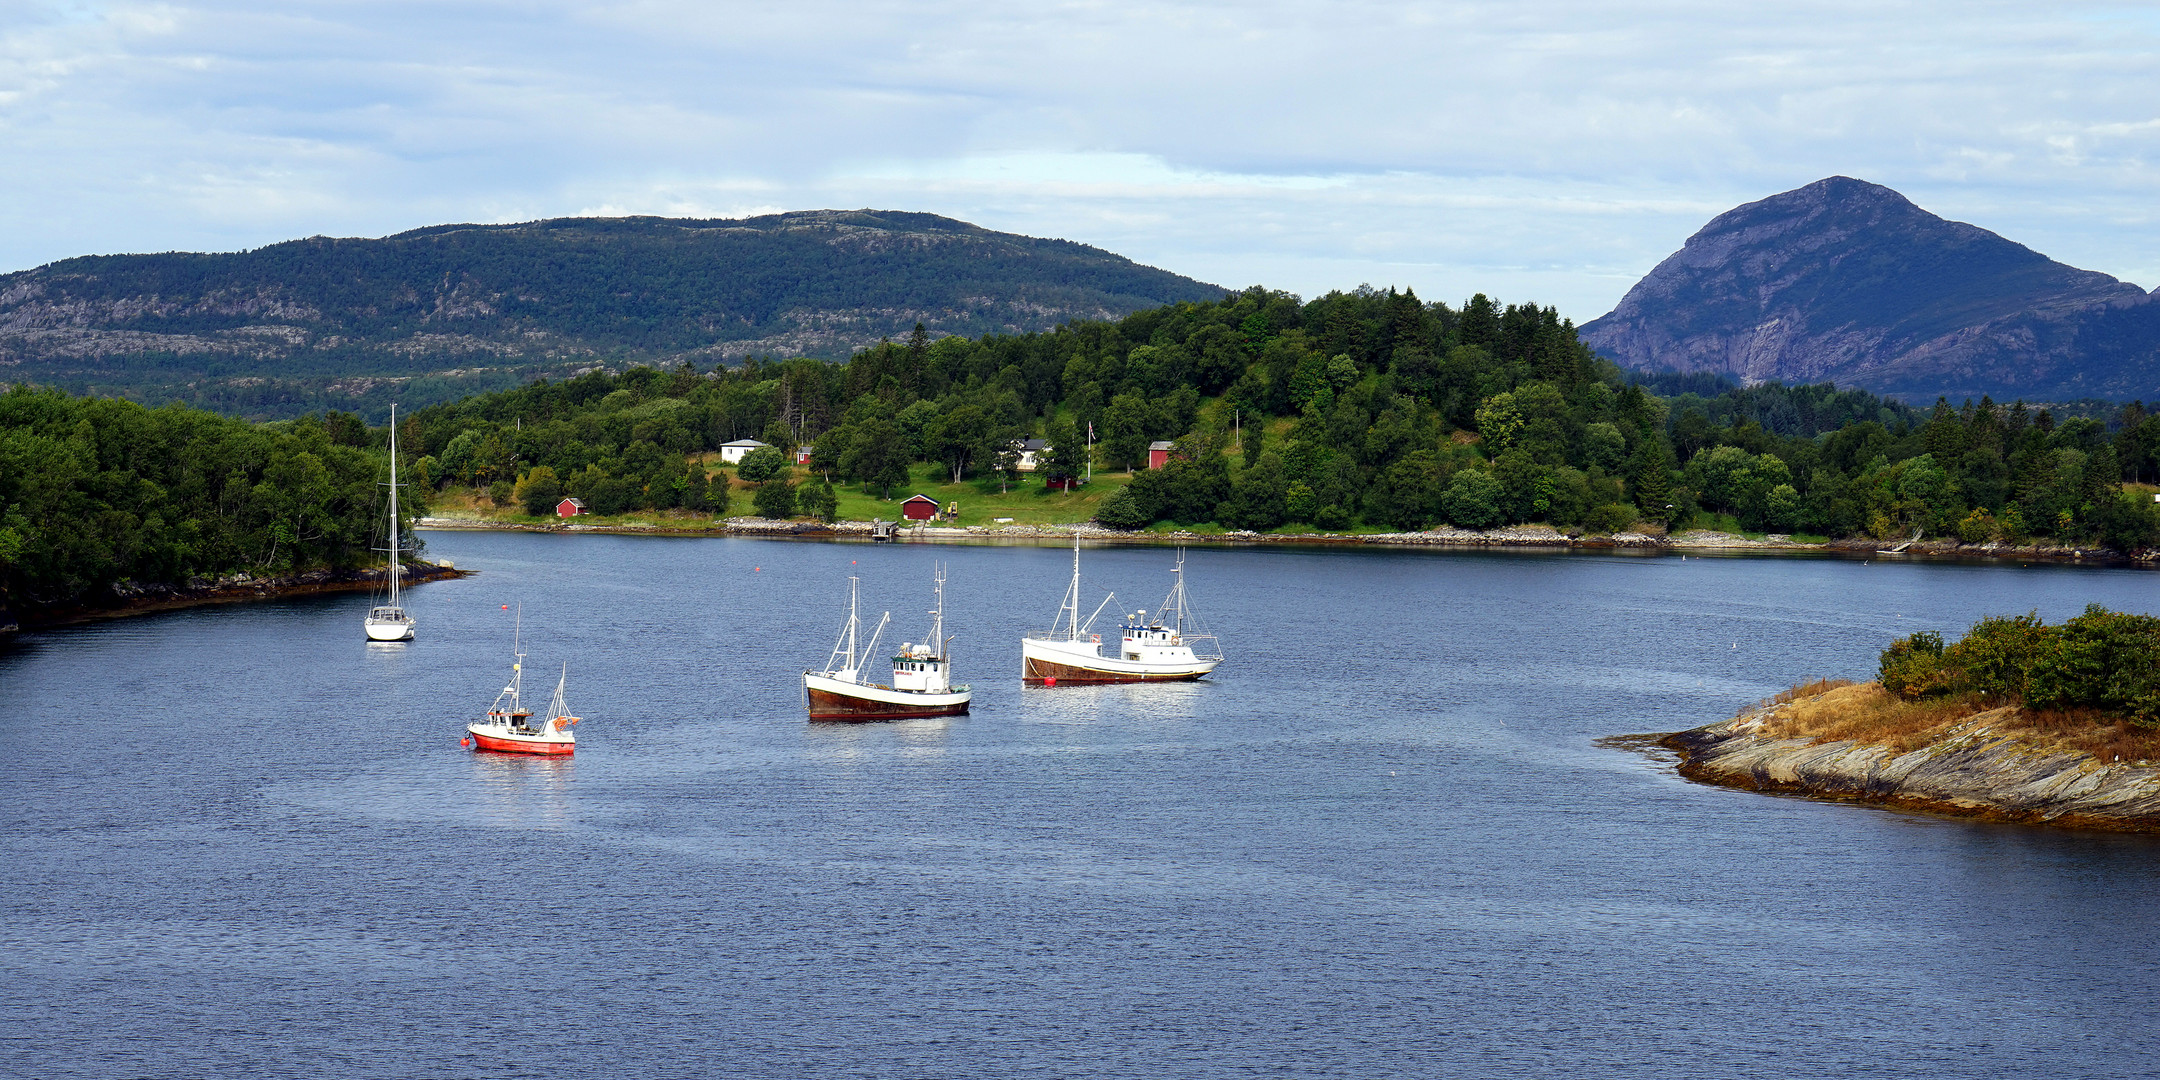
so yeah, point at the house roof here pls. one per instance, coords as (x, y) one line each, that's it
(746, 442)
(1161, 444)
(918, 498)
(1034, 444)
(579, 503)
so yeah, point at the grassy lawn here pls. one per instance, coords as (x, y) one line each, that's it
(1027, 503)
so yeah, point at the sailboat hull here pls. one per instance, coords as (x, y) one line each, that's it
(389, 631)
(836, 699)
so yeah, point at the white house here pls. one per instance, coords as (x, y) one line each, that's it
(1029, 448)
(732, 453)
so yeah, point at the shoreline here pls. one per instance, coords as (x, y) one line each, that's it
(237, 588)
(1968, 771)
(1689, 542)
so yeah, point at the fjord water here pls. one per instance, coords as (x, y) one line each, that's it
(1383, 841)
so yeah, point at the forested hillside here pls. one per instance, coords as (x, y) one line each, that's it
(1368, 409)
(98, 492)
(438, 313)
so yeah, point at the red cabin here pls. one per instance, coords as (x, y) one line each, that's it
(570, 508)
(1158, 453)
(919, 508)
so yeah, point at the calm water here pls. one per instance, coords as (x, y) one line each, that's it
(1383, 842)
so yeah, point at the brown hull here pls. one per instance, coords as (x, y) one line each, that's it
(825, 705)
(1036, 672)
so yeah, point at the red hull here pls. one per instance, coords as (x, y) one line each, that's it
(519, 746)
(1036, 672)
(825, 705)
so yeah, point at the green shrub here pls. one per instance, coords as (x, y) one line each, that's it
(817, 499)
(775, 499)
(539, 491)
(1609, 518)
(2105, 660)
(761, 464)
(1912, 667)
(1122, 511)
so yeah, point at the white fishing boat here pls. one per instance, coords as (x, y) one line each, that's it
(509, 726)
(1169, 647)
(388, 621)
(921, 680)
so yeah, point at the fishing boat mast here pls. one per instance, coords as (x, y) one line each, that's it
(1069, 610)
(846, 645)
(938, 639)
(558, 708)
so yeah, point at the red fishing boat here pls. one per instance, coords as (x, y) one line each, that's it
(509, 726)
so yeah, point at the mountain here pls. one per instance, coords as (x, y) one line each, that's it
(443, 311)
(1848, 281)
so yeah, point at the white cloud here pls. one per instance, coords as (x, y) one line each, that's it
(1552, 150)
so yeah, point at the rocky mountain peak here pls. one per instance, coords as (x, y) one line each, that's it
(1849, 281)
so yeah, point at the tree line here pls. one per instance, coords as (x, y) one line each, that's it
(1361, 409)
(97, 492)
(1366, 409)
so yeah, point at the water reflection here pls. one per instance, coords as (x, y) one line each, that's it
(524, 791)
(1114, 702)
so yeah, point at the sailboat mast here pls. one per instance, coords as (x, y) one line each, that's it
(397, 565)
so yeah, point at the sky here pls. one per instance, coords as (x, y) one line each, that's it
(1550, 152)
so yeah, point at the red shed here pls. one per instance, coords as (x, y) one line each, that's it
(1158, 453)
(919, 508)
(570, 508)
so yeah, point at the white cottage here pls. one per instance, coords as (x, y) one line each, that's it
(732, 453)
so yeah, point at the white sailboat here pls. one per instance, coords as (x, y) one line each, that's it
(1170, 647)
(388, 621)
(921, 681)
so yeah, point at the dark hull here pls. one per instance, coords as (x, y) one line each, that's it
(1036, 672)
(826, 705)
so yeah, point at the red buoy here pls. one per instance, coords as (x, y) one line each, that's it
(464, 742)
(1050, 681)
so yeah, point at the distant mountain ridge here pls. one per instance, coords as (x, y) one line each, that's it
(1848, 281)
(477, 306)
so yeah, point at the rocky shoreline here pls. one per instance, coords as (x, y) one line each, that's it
(125, 599)
(1970, 770)
(1516, 536)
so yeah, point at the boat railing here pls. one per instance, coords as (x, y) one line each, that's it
(1205, 647)
(1062, 635)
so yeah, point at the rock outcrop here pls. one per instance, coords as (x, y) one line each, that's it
(1847, 281)
(1970, 770)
